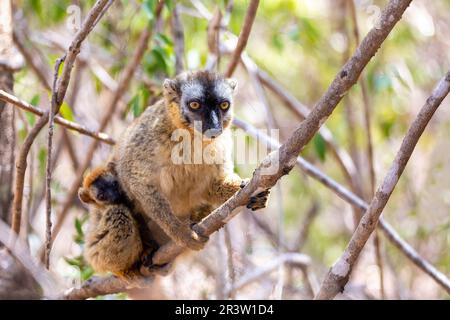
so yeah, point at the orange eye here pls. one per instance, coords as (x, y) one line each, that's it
(225, 105)
(194, 105)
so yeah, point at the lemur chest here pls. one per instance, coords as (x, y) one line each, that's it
(186, 186)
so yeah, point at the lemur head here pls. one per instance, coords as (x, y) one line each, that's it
(201, 97)
(101, 187)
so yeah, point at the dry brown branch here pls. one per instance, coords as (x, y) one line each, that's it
(19, 249)
(7, 115)
(62, 84)
(13, 100)
(358, 202)
(122, 86)
(48, 174)
(243, 36)
(178, 39)
(342, 157)
(369, 151)
(338, 275)
(297, 260)
(42, 71)
(230, 261)
(305, 226)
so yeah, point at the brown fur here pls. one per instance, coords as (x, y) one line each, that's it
(169, 194)
(113, 239)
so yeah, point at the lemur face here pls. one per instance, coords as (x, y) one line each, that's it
(204, 99)
(106, 190)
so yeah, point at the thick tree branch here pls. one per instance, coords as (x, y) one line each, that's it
(285, 158)
(338, 275)
(13, 100)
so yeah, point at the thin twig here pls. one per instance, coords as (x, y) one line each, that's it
(13, 100)
(243, 36)
(293, 259)
(19, 249)
(48, 173)
(230, 263)
(178, 39)
(369, 148)
(338, 275)
(63, 81)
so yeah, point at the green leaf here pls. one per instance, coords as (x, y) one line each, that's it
(66, 112)
(31, 118)
(133, 105)
(163, 39)
(42, 157)
(74, 262)
(320, 146)
(35, 100)
(86, 273)
(149, 7)
(78, 226)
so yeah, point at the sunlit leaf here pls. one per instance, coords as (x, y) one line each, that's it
(66, 112)
(320, 146)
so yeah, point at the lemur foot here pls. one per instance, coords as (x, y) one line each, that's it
(259, 201)
(147, 267)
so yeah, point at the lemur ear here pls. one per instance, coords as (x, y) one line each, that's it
(170, 86)
(84, 196)
(232, 83)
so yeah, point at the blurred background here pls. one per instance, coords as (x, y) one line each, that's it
(284, 250)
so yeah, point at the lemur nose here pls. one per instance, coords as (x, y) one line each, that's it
(213, 133)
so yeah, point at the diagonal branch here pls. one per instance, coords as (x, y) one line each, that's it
(338, 275)
(243, 36)
(285, 158)
(13, 100)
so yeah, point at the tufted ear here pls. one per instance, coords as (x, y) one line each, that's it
(170, 86)
(232, 83)
(84, 196)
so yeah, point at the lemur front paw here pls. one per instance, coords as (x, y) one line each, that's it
(147, 267)
(259, 201)
(244, 182)
(194, 239)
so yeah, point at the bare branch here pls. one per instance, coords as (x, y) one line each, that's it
(62, 84)
(243, 36)
(292, 259)
(338, 275)
(13, 100)
(178, 39)
(356, 201)
(48, 173)
(47, 282)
